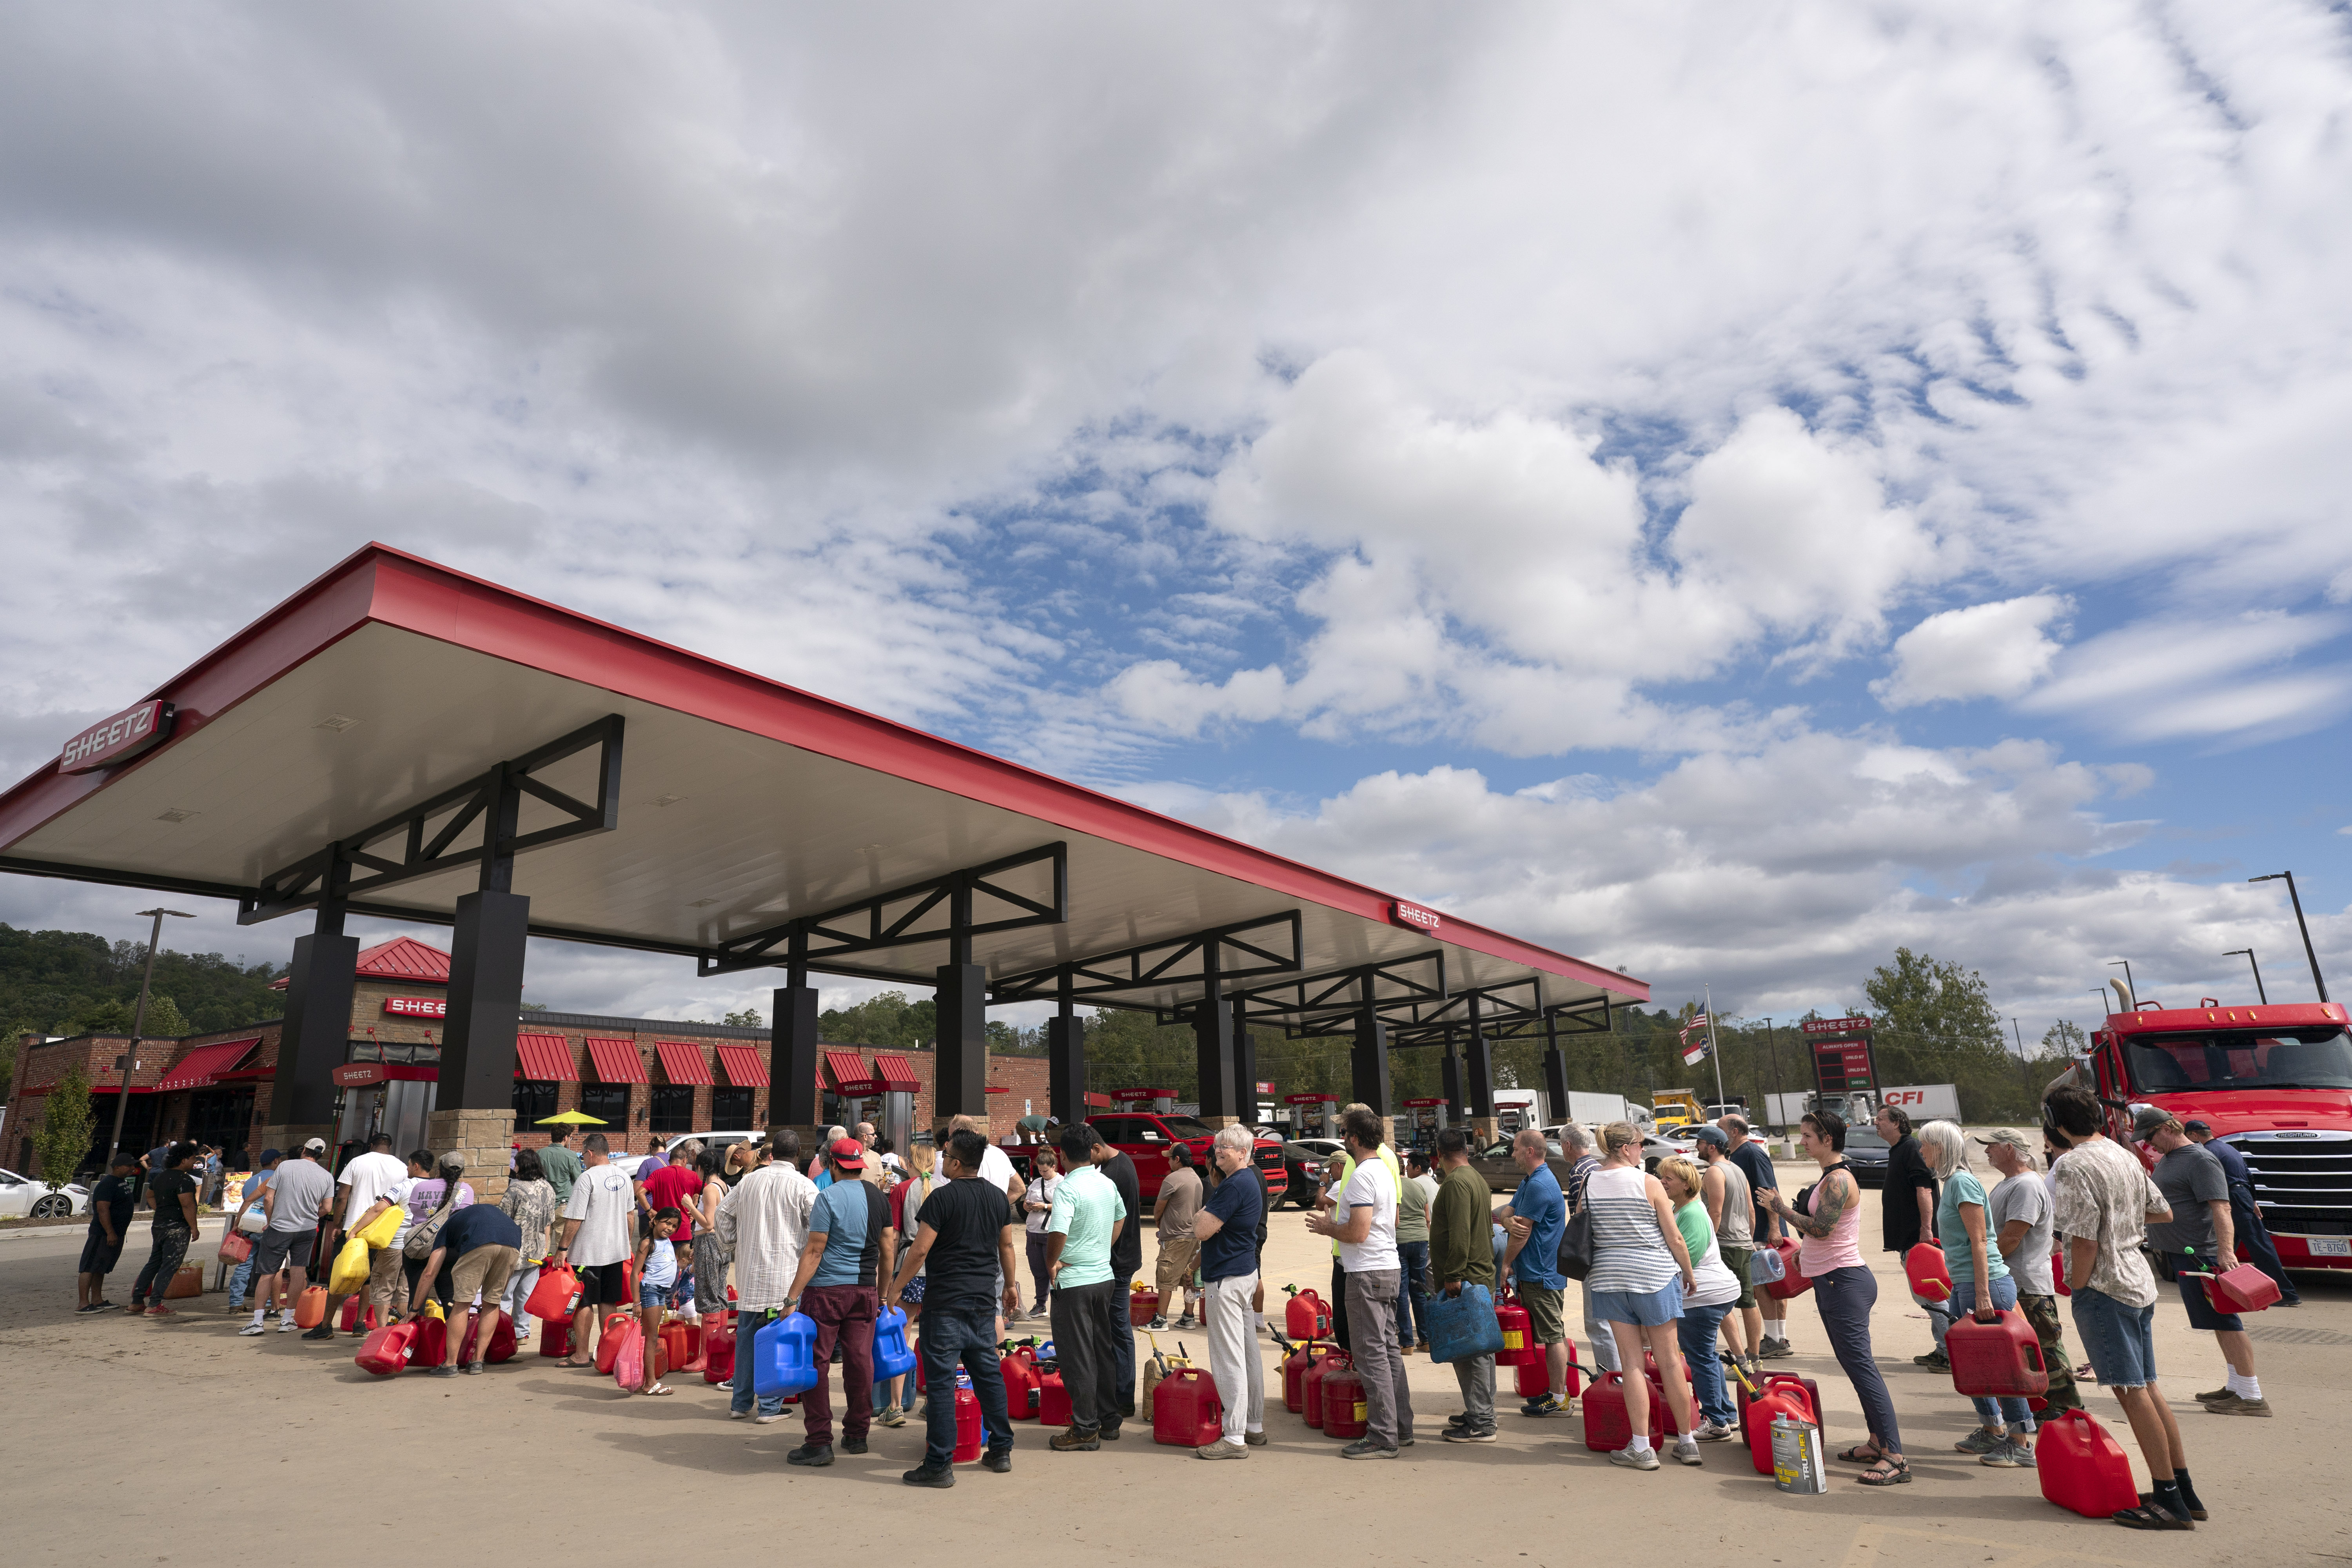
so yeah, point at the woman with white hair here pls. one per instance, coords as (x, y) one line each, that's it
(1982, 1281)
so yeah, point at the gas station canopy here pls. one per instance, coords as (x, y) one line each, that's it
(669, 803)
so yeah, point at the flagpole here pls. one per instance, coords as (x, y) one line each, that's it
(1715, 1045)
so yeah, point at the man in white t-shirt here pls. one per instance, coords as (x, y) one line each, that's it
(1362, 1221)
(596, 1242)
(367, 1179)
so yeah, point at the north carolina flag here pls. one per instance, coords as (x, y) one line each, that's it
(1694, 1052)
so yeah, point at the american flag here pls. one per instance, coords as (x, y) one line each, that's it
(1695, 1051)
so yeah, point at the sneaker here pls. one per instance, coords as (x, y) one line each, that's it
(1547, 1405)
(250, 1330)
(287, 1325)
(2220, 1392)
(891, 1416)
(997, 1459)
(2238, 1405)
(739, 1415)
(1365, 1449)
(1220, 1449)
(853, 1445)
(1186, 1321)
(1254, 1440)
(1459, 1419)
(929, 1475)
(1108, 1431)
(1934, 1360)
(1646, 1459)
(443, 1370)
(1420, 1347)
(1774, 1350)
(725, 1387)
(474, 1368)
(1716, 1432)
(817, 1456)
(2012, 1455)
(1979, 1442)
(323, 1332)
(1158, 1325)
(1686, 1452)
(763, 1419)
(1468, 1434)
(1075, 1442)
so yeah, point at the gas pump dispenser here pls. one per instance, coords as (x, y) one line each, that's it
(1315, 1114)
(1428, 1120)
(1162, 1101)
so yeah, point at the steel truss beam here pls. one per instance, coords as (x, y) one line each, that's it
(815, 940)
(1154, 963)
(1330, 1003)
(1503, 1015)
(349, 870)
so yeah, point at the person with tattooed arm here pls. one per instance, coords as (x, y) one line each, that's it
(1827, 1218)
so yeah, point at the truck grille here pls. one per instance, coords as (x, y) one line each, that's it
(2303, 1181)
(1270, 1168)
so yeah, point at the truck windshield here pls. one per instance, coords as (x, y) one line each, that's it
(2240, 1059)
(1184, 1128)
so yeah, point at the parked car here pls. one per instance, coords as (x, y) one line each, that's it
(28, 1197)
(627, 1163)
(1502, 1173)
(1298, 1155)
(1145, 1136)
(1866, 1151)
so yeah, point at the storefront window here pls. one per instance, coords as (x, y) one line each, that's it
(609, 1103)
(730, 1109)
(673, 1108)
(533, 1100)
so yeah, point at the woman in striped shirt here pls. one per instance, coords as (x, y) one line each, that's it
(1641, 1272)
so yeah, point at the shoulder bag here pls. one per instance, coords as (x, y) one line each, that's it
(425, 1232)
(1574, 1257)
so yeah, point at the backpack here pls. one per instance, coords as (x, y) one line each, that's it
(1574, 1257)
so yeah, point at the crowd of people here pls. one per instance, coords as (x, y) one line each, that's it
(1671, 1278)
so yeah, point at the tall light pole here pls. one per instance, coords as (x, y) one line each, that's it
(138, 1022)
(2257, 968)
(2296, 900)
(2129, 984)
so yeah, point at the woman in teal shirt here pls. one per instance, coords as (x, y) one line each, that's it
(2001, 1439)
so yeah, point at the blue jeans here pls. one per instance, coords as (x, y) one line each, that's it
(741, 1397)
(1992, 1412)
(239, 1283)
(520, 1285)
(2120, 1340)
(1696, 1330)
(1413, 1293)
(968, 1337)
(1122, 1345)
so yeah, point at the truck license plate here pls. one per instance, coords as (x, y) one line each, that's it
(2330, 1246)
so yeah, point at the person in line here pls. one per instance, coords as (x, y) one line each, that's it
(711, 1257)
(1036, 1203)
(172, 1191)
(1338, 1171)
(1576, 1144)
(111, 1204)
(560, 1163)
(1535, 1218)
(1087, 1215)
(1714, 1292)
(1126, 1263)
(209, 1164)
(1906, 1217)
(1226, 1229)
(2107, 1201)
(2018, 1210)
(657, 1269)
(820, 1170)
(1412, 1250)
(429, 1200)
(963, 1246)
(360, 1182)
(850, 1251)
(1731, 1209)
(1641, 1274)
(897, 1398)
(765, 1224)
(592, 1240)
(1767, 1325)
(248, 1201)
(1459, 1255)
(742, 1158)
(2199, 1238)
(1171, 1215)
(477, 1247)
(676, 1184)
(2253, 1232)
(299, 1191)
(1829, 1227)
(530, 1201)
(1981, 1286)
(1363, 1224)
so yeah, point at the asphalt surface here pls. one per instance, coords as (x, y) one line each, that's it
(175, 1441)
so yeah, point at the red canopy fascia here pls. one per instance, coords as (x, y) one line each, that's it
(845, 1073)
(616, 1061)
(683, 1063)
(201, 1068)
(897, 1074)
(545, 1058)
(746, 1068)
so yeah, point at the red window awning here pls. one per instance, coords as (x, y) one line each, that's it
(683, 1063)
(897, 1074)
(845, 1073)
(545, 1058)
(616, 1061)
(201, 1068)
(746, 1068)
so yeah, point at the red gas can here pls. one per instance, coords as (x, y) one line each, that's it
(969, 1430)
(350, 1317)
(1293, 1375)
(1142, 1306)
(1311, 1385)
(1519, 1347)
(555, 1337)
(432, 1347)
(608, 1342)
(1053, 1400)
(1606, 1427)
(1308, 1316)
(678, 1343)
(1662, 1414)
(310, 1307)
(2245, 1288)
(718, 1353)
(501, 1347)
(386, 1350)
(1793, 1281)
(1924, 1267)
(1783, 1393)
(1185, 1410)
(1346, 1416)
(555, 1295)
(1021, 1384)
(1534, 1379)
(2058, 1269)
(1997, 1358)
(2082, 1467)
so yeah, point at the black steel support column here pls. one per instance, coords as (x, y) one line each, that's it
(1370, 1059)
(792, 1046)
(1212, 1041)
(1479, 1067)
(1245, 1067)
(316, 1036)
(960, 1058)
(1066, 1058)
(486, 962)
(1554, 1069)
(1449, 1074)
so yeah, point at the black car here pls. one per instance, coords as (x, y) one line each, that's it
(1866, 1151)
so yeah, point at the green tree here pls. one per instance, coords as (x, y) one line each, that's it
(749, 1018)
(64, 1138)
(108, 1016)
(1933, 1021)
(164, 1020)
(2064, 1041)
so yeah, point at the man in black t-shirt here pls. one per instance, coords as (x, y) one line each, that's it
(111, 1204)
(1906, 1213)
(964, 1237)
(1126, 1262)
(1772, 1313)
(174, 1194)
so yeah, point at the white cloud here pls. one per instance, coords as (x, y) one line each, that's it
(2176, 676)
(1984, 650)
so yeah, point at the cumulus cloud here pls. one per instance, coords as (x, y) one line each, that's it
(1999, 649)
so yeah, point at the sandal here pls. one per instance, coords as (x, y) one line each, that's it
(1898, 1474)
(658, 1388)
(574, 1360)
(2151, 1515)
(1863, 1454)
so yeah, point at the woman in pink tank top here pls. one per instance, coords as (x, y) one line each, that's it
(1829, 1228)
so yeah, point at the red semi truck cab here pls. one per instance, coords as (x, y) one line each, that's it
(1145, 1136)
(2277, 1082)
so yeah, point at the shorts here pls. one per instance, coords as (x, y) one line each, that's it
(483, 1271)
(282, 1249)
(1735, 1259)
(2120, 1340)
(652, 1295)
(2203, 1314)
(1545, 1325)
(603, 1285)
(912, 1296)
(1648, 1308)
(97, 1257)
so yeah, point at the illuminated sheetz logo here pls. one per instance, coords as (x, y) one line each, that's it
(1413, 915)
(416, 1007)
(117, 740)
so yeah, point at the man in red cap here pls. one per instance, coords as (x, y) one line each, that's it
(850, 1248)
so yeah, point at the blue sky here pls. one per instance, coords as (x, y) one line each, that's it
(1722, 489)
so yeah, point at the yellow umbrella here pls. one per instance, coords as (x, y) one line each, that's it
(572, 1118)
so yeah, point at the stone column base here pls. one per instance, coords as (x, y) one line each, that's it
(482, 1139)
(289, 1141)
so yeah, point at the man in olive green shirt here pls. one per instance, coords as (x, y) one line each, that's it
(1462, 1252)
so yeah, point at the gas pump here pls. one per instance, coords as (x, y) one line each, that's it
(1428, 1120)
(1162, 1101)
(1314, 1113)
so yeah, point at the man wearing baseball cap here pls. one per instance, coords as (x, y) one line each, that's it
(851, 1247)
(2199, 1238)
(2020, 1210)
(2254, 1233)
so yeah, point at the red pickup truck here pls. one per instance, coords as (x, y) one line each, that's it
(1145, 1136)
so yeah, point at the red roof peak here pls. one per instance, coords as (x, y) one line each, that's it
(405, 958)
